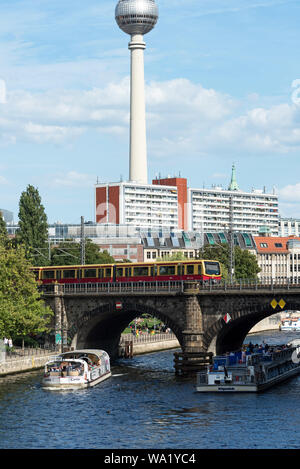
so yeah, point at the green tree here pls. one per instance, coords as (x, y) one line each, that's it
(246, 266)
(33, 226)
(245, 263)
(177, 256)
(3, 230)
(68, 253)
(22, 311)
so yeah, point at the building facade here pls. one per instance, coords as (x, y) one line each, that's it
(154, 205)
(289, 227)
(169, 203)
(278, 258)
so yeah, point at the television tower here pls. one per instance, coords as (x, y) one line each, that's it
(137, 17)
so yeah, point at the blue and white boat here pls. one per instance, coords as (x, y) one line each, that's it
(253, 373)
(76, 369)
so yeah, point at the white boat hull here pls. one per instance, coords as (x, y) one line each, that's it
(69, 383)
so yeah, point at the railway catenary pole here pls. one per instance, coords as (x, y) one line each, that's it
(82, 243)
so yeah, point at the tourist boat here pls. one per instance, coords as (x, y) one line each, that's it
(290, 324)
(251, 373)
(76, 369)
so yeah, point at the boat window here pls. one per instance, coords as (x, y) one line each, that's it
(90, 273)
(166, 269)
(140, 271)
(212, 268)
(48, 274)
(70, 273)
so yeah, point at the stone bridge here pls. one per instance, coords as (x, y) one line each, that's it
(94, 316)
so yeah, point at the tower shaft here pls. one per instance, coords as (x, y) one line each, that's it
(138, 144)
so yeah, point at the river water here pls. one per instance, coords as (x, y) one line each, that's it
(144, 405)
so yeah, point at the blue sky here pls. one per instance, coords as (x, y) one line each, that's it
(222, 86)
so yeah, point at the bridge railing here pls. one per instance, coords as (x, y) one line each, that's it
(165, 287)
(120, 287)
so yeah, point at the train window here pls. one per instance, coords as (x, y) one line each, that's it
(180, 269)
(100, 273)
(189, 269)
(69, 273)
(140, 271)
(153, 270)
(212, 268)
(128, 272)
(90, 273)
(119, 272)
(48, 274)
(166, 269)
(108, 272)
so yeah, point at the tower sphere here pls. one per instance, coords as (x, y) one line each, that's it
(136, 16)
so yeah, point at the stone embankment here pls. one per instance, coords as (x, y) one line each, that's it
(146, 343)
(18, 363)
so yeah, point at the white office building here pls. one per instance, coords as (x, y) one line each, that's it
(289, 227)
(213, 209)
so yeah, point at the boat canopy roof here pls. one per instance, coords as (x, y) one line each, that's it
(84, 352)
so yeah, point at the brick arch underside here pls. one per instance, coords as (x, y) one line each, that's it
(230, 336)
(102, 327)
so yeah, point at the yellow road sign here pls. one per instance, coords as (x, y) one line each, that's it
(280, 303)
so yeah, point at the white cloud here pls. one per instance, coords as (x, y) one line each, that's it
(2, 91)
(182, 116)
(290, 193)
(74, 179)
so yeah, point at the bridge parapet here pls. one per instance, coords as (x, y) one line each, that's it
(167, 287)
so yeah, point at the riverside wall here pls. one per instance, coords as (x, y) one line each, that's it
(22, 364)
(147, 347)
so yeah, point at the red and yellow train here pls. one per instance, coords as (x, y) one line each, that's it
(200, 270)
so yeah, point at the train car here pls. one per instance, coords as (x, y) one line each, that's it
(202, 270)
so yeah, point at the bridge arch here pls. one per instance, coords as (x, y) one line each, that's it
(222, 337)
(102, 326)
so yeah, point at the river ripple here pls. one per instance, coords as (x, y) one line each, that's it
(144, 405)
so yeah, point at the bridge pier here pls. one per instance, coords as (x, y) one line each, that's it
(61, 325)
(193, 356)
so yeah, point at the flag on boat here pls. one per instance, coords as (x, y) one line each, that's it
(227, 318)
(119, 305)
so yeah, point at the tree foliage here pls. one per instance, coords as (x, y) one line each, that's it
(3, 230)
(245, 263)
(22, 311)
(68, 253)
(33, 226)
